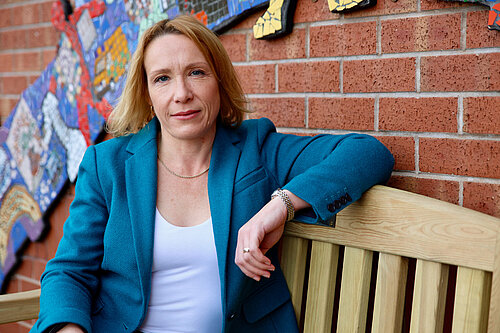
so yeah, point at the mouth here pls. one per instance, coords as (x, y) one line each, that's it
(185, 114)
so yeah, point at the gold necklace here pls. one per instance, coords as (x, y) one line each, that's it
(181, 176)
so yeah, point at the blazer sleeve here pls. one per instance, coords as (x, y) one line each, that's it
(327, 171)
(70, 279)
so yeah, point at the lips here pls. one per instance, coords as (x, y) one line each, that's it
(186, 114)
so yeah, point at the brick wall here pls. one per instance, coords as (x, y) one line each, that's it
(423, 76)
(27, 44)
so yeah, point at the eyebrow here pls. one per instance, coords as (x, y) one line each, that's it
(189, 66)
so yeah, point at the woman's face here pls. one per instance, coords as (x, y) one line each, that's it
(182, 88)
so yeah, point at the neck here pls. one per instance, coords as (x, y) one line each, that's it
(186, 156)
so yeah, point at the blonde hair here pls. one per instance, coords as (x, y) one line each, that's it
(133, 110)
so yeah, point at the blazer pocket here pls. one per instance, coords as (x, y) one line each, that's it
(265, 301)
(249, 179)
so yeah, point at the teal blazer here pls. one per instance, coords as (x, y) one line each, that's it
(100, 276)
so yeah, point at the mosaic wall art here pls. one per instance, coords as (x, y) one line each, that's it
(494, 15)
(44, 138)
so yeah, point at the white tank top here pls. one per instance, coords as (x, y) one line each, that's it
(185, 286)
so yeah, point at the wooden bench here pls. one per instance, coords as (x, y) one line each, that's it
(396, 261)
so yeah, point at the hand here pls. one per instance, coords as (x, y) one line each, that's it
(71, 328)
(259, 234)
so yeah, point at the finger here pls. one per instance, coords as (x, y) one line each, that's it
(247, 269)
(256, 259)
(256, 263)
(256, 277)
(252, 267)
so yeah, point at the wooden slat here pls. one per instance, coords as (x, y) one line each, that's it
(494, 317)
(19, 306)
(411, 225)
(321, 287)
(354, 290)
(293, 264)
(429, 297)
(388, 308)
(472, 301)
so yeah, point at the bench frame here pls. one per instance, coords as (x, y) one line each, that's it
(387, 264)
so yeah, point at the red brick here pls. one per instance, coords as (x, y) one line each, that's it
(13, 285)
(481, 115)
(46, 11)
(27, 62)
(52, 242)
(418, 114)
(39, 37)
(343, 39)
(32, 79)
(482, 197)
(440, 4)
(27, 285)
(384, 7)
(318, 76)
(403, 150)
(71, 188)
(470, 72)
(288, 47)
(435, 188)
(479, 158)
(10, 328)
(23, 329)
(308, 11)
(25, 14)
(37, 250)
(25, 268)
(284, 112)
(235, 46)
(13, 84)
(13, 1)
(7, 105)
(249, 22)
(6, 62)
(57, 219)
(5, 17)
(15, 39)
(477, 34)
(38, 269)
(379, 75)
(257, 78)
(47, 57)
(341, 113)
(436, 32)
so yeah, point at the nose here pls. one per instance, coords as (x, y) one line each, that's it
(182, 93)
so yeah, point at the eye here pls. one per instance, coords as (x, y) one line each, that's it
(198, 72)
(161, 78)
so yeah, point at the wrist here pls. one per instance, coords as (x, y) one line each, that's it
(287, 204)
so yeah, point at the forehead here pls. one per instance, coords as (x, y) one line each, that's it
(172, 49)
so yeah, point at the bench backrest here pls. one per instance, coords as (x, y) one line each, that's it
(404, 262)
(395, 261)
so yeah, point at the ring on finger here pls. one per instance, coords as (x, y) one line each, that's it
(246, 250)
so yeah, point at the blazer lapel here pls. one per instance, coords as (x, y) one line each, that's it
(223, 164)
(141, 184)
(141, 181)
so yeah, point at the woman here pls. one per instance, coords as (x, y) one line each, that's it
(174, 221)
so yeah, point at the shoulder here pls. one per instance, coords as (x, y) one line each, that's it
(113, 145)
(254, 126)
(107, 153)
(255, 130)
